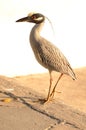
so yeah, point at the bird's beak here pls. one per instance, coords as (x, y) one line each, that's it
(25, 19)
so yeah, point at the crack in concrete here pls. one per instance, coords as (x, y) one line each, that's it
(59, 121)
(44, 112)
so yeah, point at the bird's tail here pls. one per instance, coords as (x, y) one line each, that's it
(71, 73)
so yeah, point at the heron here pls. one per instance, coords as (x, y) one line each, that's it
(46, 53)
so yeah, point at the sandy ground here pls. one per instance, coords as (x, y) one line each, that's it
(67, 111)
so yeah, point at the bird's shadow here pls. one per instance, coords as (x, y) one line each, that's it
(23, 99)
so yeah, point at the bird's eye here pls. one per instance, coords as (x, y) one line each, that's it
(33, 17)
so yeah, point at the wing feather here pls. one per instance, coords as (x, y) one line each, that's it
(53, 59)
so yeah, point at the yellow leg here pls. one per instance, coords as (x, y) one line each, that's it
(48, 96)
(49, 86)
(53, 91)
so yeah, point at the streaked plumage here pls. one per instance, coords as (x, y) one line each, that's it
(47, 54)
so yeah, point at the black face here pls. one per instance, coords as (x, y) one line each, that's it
(36, 18)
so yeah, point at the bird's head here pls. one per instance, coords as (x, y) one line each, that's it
(33, 18)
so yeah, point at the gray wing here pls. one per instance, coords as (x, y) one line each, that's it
(53, 59)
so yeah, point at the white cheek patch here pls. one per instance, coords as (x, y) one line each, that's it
(39, 19)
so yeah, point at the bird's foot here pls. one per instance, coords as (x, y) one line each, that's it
(44, 101)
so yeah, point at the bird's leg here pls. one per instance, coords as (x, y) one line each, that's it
(53, 91)
(48, 96)
(49, 86)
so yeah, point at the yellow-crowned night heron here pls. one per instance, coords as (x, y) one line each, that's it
(47, 54)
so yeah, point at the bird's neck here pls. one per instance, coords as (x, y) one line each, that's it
(35, 32)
